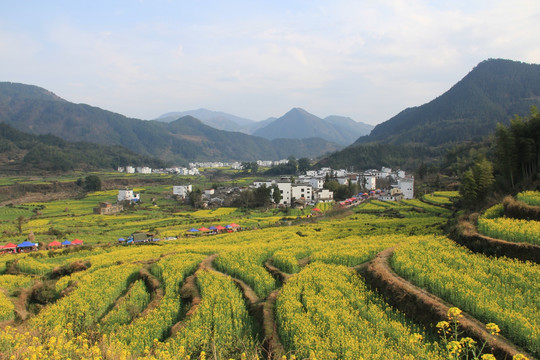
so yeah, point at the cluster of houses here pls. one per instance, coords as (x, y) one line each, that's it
(148, 170)
(308, 189)
(193, 168)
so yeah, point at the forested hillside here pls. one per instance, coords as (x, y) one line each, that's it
(494, 91)
(35, 110)
(20, 151)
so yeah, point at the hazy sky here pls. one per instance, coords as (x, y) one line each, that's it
(256, 59)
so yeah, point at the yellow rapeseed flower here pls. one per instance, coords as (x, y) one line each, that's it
(493, 329)
(454, 313)
(488, 357)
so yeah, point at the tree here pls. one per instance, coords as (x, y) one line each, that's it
(476, 183)
(195, 197)
(92, 183)
(518, 149)
(422, 171)
(468, 189)
(246, 198)
(19, 222)
(276, 194)
(303, 165)
(254, 167)
(248, 166)
(483, 175)
(292, 164)
(261, 196)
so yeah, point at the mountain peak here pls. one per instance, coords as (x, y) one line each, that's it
(18, 91)
(492, 92)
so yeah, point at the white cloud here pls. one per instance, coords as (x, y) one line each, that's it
(367, 60)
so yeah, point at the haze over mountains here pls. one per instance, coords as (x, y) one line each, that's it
(295, 124)
(492, 92)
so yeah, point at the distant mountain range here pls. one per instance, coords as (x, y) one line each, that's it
(494, 91)
(295, 124)
(37, 111)
(216, 119)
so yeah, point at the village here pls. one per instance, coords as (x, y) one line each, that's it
(307, 189)
(302, 192)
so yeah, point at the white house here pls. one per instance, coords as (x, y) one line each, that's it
(182, 190)
(208, 192)
(127, 195)
(406, 185)
(368, 181)
(302, 192)
(144, 170)
(323, 195)
(343, 180)
(130, 169)
(259, 183)
(285, 190)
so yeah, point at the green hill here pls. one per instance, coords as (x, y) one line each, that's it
(494, 91)
(37, 111)
(299, 124)
(21, 152)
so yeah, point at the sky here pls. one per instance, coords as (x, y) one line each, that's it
(367, 60)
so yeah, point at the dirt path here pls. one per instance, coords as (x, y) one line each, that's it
(190, 294)
(427, 308)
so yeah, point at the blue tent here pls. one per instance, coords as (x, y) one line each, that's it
(213, 228)
(66, 242)
(26, 244)
(193, 230)
(121, 239)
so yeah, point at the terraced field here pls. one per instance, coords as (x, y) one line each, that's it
(273, 291)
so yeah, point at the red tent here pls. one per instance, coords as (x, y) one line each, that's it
(76, 242)
(55, 243)
(315, 209)
(10, 246)
(235, 225)
(204, 229)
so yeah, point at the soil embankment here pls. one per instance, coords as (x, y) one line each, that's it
(427, 308)
(467, 235)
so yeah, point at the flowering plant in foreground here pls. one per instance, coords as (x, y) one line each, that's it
(458, 347)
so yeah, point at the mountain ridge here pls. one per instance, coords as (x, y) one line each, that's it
(36, 111)
(493, 91)
(298, 123)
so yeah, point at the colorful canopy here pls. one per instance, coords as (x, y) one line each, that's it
(55, 243)
(10, 246)
(219, 227)
(235, 225)
(66, 242)
(204, 229)
(76, 242)
(25, 244)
